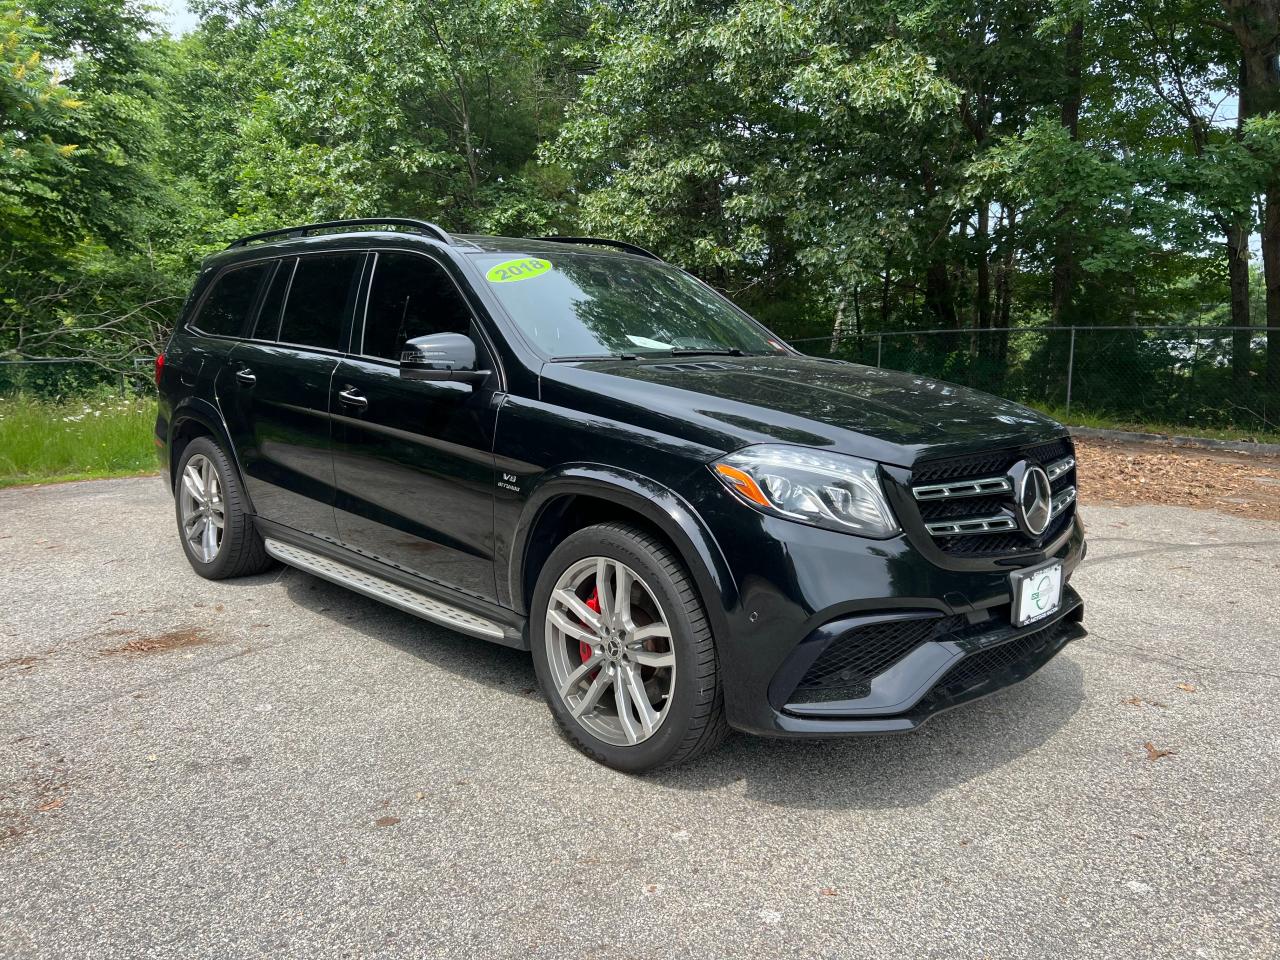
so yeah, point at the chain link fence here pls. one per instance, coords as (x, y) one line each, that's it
(52, 378)
(1162, 378)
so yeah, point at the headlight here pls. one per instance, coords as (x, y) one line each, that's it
(823, 489)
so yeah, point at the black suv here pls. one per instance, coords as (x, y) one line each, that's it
(570, 447)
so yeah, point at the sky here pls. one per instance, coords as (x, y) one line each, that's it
(177, 17)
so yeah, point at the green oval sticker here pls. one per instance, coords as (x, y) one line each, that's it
(522, 269)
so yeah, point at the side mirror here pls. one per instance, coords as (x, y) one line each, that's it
(441, 357)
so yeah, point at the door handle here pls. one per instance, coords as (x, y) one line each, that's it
(246, 377)
(351, 397)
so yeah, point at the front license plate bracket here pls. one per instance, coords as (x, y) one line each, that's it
(1037, 593)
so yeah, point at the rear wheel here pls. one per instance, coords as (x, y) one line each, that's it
(623, 650)
(217, 533)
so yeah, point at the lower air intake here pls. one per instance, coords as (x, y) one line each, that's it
(845, 669)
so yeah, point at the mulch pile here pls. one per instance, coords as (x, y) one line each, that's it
(1123, 473)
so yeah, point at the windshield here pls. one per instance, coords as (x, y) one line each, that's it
(579, 305)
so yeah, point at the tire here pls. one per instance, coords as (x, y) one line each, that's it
(677, 674)
(239, 549)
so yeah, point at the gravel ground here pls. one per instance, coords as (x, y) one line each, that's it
(1242, 484)
(276, 766)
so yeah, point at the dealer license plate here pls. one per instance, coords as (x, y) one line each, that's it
(1037, 593)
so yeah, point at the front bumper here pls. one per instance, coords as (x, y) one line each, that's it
(800, 590)
(935, 676)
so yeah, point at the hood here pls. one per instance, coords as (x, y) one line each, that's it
(730, 402)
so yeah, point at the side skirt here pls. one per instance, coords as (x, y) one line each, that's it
(419, 602)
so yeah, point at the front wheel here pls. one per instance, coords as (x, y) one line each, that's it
(623, 650)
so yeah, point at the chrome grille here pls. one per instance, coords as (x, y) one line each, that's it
(965, 488)
(993, 524)
(1059, 467)
(967, 503)
(1063, 500)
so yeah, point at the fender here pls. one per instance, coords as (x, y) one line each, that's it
(660, 505)
(210, 417)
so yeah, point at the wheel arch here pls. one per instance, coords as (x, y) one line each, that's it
(580, 496)
(195, 418)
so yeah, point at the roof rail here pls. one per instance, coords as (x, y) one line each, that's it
(420, 226)
(599, 242)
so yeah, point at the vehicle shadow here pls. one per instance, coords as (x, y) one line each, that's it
(885, 772)
(479, 661)
(897, 771)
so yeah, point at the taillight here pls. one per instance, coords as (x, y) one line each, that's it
(159, 368)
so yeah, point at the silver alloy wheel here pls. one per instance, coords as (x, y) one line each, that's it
(200, 507)
(615, 670)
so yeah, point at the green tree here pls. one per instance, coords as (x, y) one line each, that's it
(78, 192)
(40, 129)
(838, 166)
(778, 150)
(429, 108)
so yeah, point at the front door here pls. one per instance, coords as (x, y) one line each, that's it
(275, 395)
(413, 460)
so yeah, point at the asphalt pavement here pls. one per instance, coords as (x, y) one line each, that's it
(277, 767)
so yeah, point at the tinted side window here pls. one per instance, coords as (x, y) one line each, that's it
(320, 298)
(268, 325)
(411, 296)
(227, 307)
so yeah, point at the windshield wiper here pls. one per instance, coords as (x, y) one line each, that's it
(674, 351)
(707, 351)
(595, 356)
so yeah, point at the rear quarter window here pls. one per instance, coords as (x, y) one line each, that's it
(226, 309)
(268, 323)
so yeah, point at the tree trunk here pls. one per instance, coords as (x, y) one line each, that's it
(885, 291)
(983, 293)
(1238, 272)
(1237, 260)
(837, 329)
(1004, 296)
(1271, 277)
(1065, 261)
(938, 297)
(984, 266)
(1064, 254)
(1264, 100)
(1256, 27)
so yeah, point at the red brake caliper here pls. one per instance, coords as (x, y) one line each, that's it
(584, 648)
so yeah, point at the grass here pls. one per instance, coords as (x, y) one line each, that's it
(1082, 418)
(44, 441)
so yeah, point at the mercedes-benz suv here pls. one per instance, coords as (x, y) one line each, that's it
(570, 447)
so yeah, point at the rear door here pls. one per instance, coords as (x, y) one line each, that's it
(413, 460)
(275, 392)
(218, 323)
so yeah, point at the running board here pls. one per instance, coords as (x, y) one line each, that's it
(371, 585)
